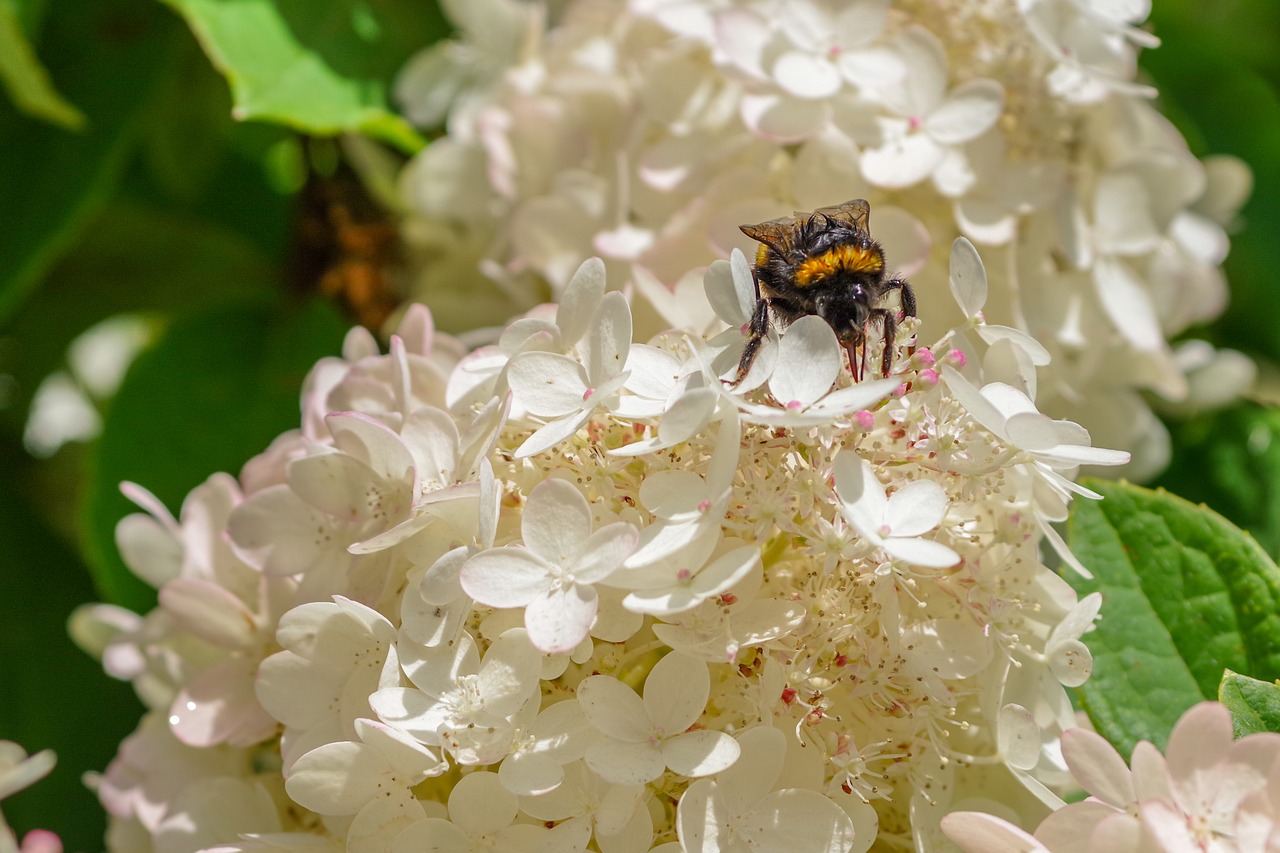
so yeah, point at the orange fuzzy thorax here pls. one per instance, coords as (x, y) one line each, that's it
(844, 258)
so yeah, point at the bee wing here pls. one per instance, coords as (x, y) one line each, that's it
(776, 233)
(855, 213)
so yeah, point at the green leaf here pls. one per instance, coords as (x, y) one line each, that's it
(55, 696)
(1185, 595)
(320, 66)
(22, 74)
(1230, 460)
(1254, 705)
(107, 56)
(212, 393)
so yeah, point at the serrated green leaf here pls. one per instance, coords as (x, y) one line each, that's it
(1186, 595)
(321, 66)
(213, 392)
(1254, 704)
(22, 74)
(108, 56)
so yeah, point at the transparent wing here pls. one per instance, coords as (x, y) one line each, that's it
(855, 213)
(776, 233)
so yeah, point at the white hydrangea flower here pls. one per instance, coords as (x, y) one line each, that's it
(647, 131)
(691, 614)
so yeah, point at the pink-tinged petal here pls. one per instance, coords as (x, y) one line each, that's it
(556, 521)
(561, 619)
(432, 437)
(547, 384)
(968, 111)
(580, 300)
(977, 832)
(921, 552)
(676, 692)
(916, 508)
(1070, 829)
(373, 443)
(903, 161)
(1168, 826)
(614, 708)
(808, 362)
(1098, 767)
(277, 533)
(1150, 775)
(150, 549)
(505, 577)
(605, 346)
(806, 75)
(783, 119)
(603, 552)
(219, 706)
(210, 612)
(700, 753)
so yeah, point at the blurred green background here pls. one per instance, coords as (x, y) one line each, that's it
(137, 193)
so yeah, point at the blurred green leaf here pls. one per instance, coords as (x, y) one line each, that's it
(55, 696)
(1254, 704)
(1230, 460)
(320, 66)
(1186, 595)
(107, 56)
(133, 258)
(22, 74)
(216, 390)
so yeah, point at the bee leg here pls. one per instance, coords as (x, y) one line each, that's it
(759, 327)
(890, 332)
(908, 295)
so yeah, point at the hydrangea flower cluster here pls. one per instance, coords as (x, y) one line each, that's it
(646, 131)
(572, 592)
(1208, 793)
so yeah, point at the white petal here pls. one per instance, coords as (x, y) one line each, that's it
(547, 384)
(968, 277)
(700, 753)
(480, 805)
(560, 620)
(1071, 663)
(1127, 302)
(554, 432)
(1034, 349)
(916, 508)
(149, 548)
(509, 673)
(614, 708)
(1019, 737)
(676, 692)
(730, 289)
(1098, 767)
(505, 577)
(969, 110)
(337, 778)
(925, 82)
(530, 774)
(580, 300)
(210, 612)
(783, 119)
(372, 442)
(808, 363)
(800, 819)
(901, 162)
(432, 437)
(604, 348)
(859, 487)
(556, 521)
(604, 552)
(921, 552)
(625, 762)
(806, 75)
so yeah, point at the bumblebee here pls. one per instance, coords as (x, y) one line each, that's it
(825, 263)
